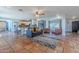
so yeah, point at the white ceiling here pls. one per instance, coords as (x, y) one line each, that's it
(28, 11)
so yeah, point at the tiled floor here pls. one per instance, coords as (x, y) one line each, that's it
(10, 42)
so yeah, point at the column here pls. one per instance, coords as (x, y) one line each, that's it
(47, 24)
(37, 22)
(63, 26)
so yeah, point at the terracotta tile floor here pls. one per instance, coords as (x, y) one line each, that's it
(10, 42)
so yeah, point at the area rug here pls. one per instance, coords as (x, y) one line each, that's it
(46, 41)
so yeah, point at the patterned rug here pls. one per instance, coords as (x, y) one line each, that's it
(46, 40)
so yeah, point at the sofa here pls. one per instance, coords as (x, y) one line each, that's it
(46, 30)
(30, 33)
(57, 32)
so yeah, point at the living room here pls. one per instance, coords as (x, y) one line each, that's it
(39, 28)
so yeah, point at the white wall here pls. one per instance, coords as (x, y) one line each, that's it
(68, 25)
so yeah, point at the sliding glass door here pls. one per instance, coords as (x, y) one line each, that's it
(55, 25)
(42, 24)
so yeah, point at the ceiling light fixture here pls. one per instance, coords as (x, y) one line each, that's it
(58, 17)
(39, 12)
(73, 17)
